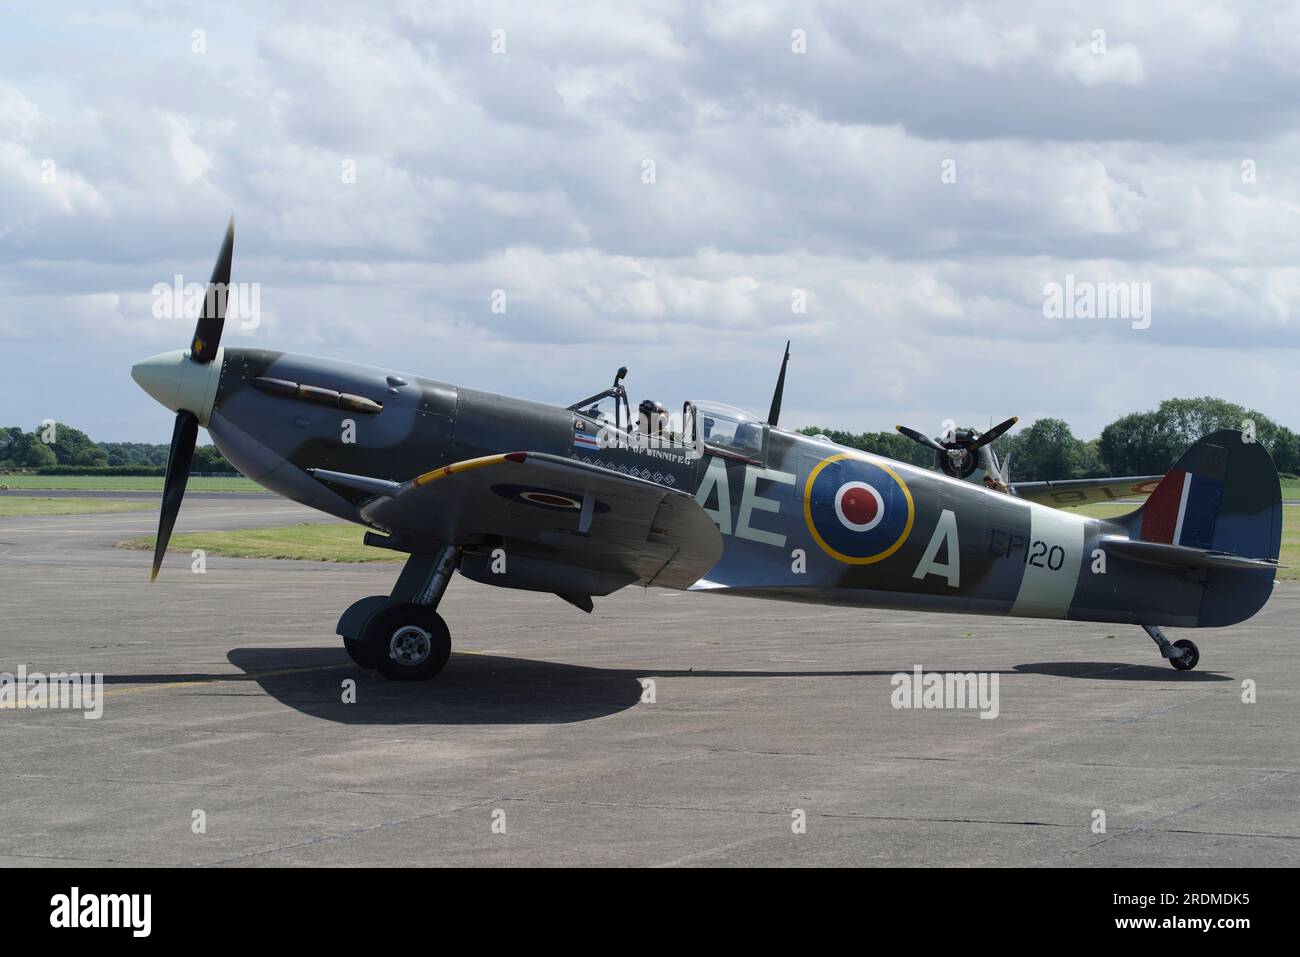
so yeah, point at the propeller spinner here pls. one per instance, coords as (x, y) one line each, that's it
(186, 382)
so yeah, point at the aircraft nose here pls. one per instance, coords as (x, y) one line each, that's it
(177, 383)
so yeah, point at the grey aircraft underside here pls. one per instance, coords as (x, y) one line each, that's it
(585, 500)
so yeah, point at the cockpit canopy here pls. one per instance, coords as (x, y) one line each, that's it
(727, 427)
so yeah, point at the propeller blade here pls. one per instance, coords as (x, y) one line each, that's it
(184, 435)
(916, 436)
(994, 433)
(207, 332)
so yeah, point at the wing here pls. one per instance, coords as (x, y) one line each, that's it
(1069, 492)
(562, 511)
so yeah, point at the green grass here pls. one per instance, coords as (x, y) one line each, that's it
(1290, 547)
(22, 505)
(309, 542)
(125, 483)
(1103, 511)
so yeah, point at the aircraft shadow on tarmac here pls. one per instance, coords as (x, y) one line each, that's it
(474, 689)
(1116, 671)
(499, 689)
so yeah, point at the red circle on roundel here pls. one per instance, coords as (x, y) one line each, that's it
(858, 506)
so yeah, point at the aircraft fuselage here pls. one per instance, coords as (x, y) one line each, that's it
(802, 519)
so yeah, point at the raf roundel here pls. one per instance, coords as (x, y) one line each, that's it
(858, 511)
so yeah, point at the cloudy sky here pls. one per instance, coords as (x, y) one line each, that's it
(661, 187)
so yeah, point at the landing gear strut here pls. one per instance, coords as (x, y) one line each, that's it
(1182, 654)
(402, 635)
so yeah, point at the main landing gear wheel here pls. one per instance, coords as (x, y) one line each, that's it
(408, 642)
(1191, 655)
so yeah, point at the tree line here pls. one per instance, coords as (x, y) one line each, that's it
(54, 444)
(1141, 443)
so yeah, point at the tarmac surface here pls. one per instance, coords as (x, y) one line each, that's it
(223, 695)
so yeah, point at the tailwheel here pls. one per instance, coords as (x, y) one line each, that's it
(409, 642)
(1182, 654)
(1190, 655)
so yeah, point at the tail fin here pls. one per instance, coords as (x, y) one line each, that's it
(1223, 496)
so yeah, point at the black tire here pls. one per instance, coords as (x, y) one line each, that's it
(409, 642)
(1191, 655)
(360, 652)
(352, 626)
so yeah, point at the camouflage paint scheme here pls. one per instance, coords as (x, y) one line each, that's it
(925, 541)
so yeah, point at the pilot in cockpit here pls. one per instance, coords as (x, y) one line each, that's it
(653, 419)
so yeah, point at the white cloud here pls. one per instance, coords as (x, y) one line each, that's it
(964, 36)
(1091, 66)
(190, 159)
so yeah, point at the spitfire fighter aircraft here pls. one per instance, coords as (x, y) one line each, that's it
(584, 500)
